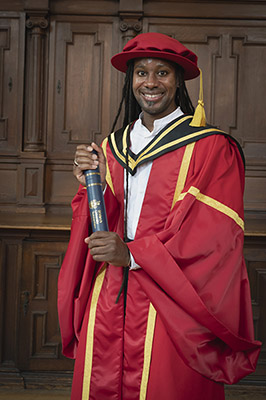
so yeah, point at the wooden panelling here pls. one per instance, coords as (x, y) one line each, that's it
(81, 7)
(11, 83)
(11, 105)
(10, 262)
(80, 84)
(255, 191)
(11, 251)
(31, 182)
(255, 256)
(60, 185)
(245, 9)
(205, 9)
(40, 344)
(29, 328)
(8, 177)
(36, 82)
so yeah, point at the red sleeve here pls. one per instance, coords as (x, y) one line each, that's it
(194, 273)
(78, 270)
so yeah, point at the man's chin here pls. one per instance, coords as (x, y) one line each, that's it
(151, 109)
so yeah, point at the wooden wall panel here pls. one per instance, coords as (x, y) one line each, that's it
(36, 69)
(40, 342)
(31, 177)
(8, 176)
(60, 185)
(11, 104)
(255, 256)
(10, 268)
(11, 81)
(80, 80)
(11, 253)
(255, 190)
(80, 98)
(220, 9)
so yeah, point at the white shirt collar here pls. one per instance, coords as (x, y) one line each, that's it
(140, 135)
(158, 123)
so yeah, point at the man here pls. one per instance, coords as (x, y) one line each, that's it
(159, 307)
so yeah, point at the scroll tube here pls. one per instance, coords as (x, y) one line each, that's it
(96, 200)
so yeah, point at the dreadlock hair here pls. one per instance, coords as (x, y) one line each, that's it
(132, 108)
(182, 98)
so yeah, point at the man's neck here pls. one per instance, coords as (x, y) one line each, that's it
(148, 119)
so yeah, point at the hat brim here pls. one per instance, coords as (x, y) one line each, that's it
(120, 60)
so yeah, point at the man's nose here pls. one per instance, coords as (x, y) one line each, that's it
(151, 80)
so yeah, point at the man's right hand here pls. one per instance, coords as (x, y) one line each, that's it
(85, 159)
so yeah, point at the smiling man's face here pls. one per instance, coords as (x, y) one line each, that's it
(154, 86)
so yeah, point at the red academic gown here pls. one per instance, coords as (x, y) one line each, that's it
(188, 326)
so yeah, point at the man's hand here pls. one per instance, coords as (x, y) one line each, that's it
(85, 159)
(108, 247)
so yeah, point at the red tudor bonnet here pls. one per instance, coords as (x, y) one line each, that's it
(157, 45)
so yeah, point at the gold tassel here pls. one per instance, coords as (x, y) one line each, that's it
(199, 118)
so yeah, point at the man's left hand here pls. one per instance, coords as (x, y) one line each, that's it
(108, 247)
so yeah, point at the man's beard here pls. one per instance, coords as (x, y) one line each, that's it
(148, 108)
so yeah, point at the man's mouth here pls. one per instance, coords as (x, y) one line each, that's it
(152, 97)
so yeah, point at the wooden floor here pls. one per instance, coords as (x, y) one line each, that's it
(29, 394)
(241, 392)
(232, 393)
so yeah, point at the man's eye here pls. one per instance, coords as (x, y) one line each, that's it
(141, 73)
(162, 73)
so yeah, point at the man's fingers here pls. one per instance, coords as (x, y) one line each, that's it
(82, 146)
(109, 247)
(101, 235)
(86, 159)
(98, 243)
(100, 238)
(94, 146)
(98, 251)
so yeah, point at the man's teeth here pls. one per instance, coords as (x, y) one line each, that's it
(151, 96)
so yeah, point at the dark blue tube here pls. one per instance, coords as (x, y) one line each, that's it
(96, 200)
